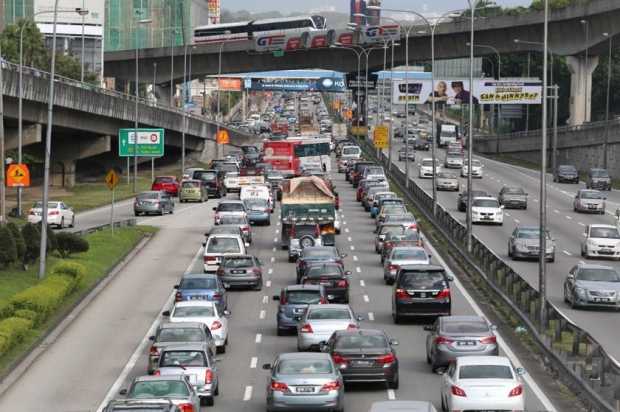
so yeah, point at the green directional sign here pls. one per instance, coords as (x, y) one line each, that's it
(150, 142)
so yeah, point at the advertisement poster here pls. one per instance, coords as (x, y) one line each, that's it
(509, 91)
(232, 84)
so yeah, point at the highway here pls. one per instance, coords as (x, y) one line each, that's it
(106, 345)
(566, 227)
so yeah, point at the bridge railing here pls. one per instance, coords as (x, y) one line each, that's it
(579, 360)
(561, 129)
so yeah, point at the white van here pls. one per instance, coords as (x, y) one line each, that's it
(219, 246)
(256, 192)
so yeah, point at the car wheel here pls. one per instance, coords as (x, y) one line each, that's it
(162, 212)
(207, 401)
(221, 349)
(510, 253)
(291, 259)
(394, 383)
(396, 317)
(72, 222)
(136, 214)
(566, 296)
(573, 303)
(172, 211)
(217, 390)
(280, 332)
(269, 222)
(62, 223)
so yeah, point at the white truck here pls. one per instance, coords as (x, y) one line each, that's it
(446, 134)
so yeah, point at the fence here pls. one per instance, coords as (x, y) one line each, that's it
(93, 229)
(579, 360)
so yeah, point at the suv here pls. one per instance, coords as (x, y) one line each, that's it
(303, 235)
(212, 181)
(598, 179)
(421, 291)
(591, 201)
(331, 276)
(601, 241)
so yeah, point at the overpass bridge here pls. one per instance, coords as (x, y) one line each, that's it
(87, 119)
(566, 38)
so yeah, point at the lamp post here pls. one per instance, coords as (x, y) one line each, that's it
(220, 149)
(82, 14)
(605, 142)
(155, 98)
(135, 131)
(359, 69)
(2, 165)
(499, 73)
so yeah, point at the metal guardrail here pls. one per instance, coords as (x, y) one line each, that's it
(579, 360)
(561, 129)
(118, 224)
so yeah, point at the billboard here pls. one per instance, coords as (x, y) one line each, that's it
(214, 11)
(457, 91)
(325, 84)
(232, 84)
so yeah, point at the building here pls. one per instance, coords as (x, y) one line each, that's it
(155, 23)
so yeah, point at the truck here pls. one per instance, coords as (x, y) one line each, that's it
(308, 199)
(447, 133)
(280, 154)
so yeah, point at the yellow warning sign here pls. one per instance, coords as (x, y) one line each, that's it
(18, 175)
(111, 179)
(380, 137)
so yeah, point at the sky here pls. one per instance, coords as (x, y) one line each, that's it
(288, 6)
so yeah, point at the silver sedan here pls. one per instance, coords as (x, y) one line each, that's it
(319, 322)
(401, 256)
(304, 381)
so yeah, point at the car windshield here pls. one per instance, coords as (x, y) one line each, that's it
(605, 232)
(146, 196)
(324, 271)
(230, 207)
(427, 162)
(359, 341)
(227, 167)
(232, 220)
(223, 245)
(393, 209)
(409, 254)
(475, 163)
(193, 311)
(159, 389)
(391, 229)
(304, 366)
(54, 205)
(329, 313)
(164, 179)
(513, 191)
(202, 175)
(485, 372)
(198, 283)
(183, 358)
(598, 275)
(190, 185)
(462, 326)
(256, 204)
(444, 175)
(407, 235)
(238, 262)
(422, 280)
(530, 234)
(303, 297)
(486, 203)
(351, 150)
(599, 173)
(567, 169)
(591, 194)
(180, 335)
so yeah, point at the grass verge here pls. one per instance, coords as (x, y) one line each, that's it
(106, 250)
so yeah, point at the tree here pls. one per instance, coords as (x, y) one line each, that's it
(35, 53)
(32, 238)
(8, 250)
(69, 243)
(20, 245)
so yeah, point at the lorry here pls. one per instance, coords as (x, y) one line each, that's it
(447, 133)
(280, 154)
(308, 199)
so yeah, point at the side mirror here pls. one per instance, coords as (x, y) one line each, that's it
(450, 278)
(393, 342)
(520, 371)
(276, 297)
(227, 312)
(123, 392)
(267, 366)
(214, 209)
(152, 337)
(166, 313)
(176, 286)
(204, 244)
(429, 328)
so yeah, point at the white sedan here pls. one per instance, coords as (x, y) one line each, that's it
(476, 169)
(205, 312)
(426, 168)
(487, 210)
(482, 383)
(58, 214)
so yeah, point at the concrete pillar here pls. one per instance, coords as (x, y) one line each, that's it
(581, 88)
(63, 173)
(244, 105)
(31, 134)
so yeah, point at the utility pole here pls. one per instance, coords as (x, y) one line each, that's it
(2, 163)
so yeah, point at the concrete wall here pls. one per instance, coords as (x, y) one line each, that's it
(581, 146)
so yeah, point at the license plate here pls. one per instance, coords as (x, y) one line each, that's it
(362, 363)
(304, 389)
(237, 272)
(487, 218)
(591, 206)
(601, 299)
(466, 343)
(422, 295)
(300, 310)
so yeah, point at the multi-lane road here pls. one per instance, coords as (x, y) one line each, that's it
(106, 345)
(566, 226)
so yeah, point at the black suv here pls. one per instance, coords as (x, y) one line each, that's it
(212, 181)
(421, 291)
(332, 277)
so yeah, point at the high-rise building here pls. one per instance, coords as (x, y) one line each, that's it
(165, 22)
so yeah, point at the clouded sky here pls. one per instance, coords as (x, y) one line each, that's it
(288, 6)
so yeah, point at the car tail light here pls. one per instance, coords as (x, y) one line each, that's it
(386, 359)
(178, 297)
(388, 244)
(245, 229)
(209, 376)
(257, 272)
(342, 283)
(442, 340)
(154, 351)
(331, 386)
(339, 359)
(393, 269)
(307, 328)
(209, 259)
(489, 340)
(279, 386)
(401, 294)
(156, 372)
(516, 391)
(216, 325)
(323, 301)
(352, 326)
(53, 212)
(216, 296)
(444, 294)
(456, 391)
(186, 407)
(283, 299)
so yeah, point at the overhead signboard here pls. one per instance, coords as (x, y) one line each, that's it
(457, 91)
(325, 84)
(232, 84)
(150, 142)
(353, 82)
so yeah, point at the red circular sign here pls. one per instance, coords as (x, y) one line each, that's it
(154, 138)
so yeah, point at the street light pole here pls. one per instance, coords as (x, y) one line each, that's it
(605, 142)
(586, 24)
(82, 51)
(470, 139)
(359, 69)
(2, 165)
(136, 122)
(155, 98)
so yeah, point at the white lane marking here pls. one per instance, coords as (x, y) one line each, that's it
(358, 269)
(274, 249)
(346, 230)
(265, 299)
(371, 316)
(131, 363)
(547, 405)
(517, 221)
(259, 338)
(583, 234)
(391, 394)
(352, 247)
(262, 314)
(269, 271)
(567, 253)
(362, 283)
(278, 223)
(556, 211)
(268, 283)
(275, 240)
(253, 362)
(507, 214)
(349, 239)
(355, 258)
(273, 259)
(366, 298)
(247, 394)
(569, 218)
(277, 231)
(580, 223)
(344, 223)
(535, 200)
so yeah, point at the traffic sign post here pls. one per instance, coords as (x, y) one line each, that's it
(111, 180)
(380, 137)
(18, 175)
(150, 143)
(222, 137)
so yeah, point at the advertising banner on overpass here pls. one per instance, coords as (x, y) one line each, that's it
(324, 84)
(457, 91)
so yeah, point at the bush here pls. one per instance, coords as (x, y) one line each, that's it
(13, 331)
(52, 242)
(8, 250)
(32, 239)
(69, 243)
(46, 296)
(19, 240)
(26, 314)
(6, 309)
(72, 269)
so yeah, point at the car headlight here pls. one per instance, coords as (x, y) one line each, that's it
(591, 243)
(581, 291)
(521, 248)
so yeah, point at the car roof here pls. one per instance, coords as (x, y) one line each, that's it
(462, 318)
(483, 360)
(302, 287)
(304, 355)
(486, 198)
(583, 265)
(365, 332)
(187, 346)
(329, 306)
(422, 268)
(224, 235)
(199, 276)
(197, 302)
(230, 201)
(602, 225)
(181, 325)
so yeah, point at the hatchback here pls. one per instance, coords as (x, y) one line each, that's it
(453, 336)
(403, 256)
(421, 291)
(292, 303)
(168, 184)
(409, 237)
(192, 191)
(304, 381)
(169, 333)
(206, 313)
(241, 271)
(589, 201)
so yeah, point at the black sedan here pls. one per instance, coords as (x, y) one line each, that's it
(315, 254)
(364, 355)
(332, 277)
(566, 173)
